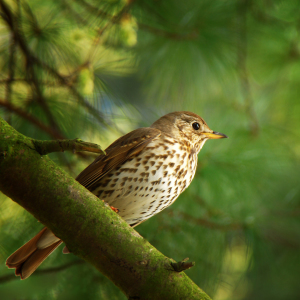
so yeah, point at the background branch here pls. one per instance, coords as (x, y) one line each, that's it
(11, 67)
(45, 147)
(10, 277)
(31, 59)
(32, 119)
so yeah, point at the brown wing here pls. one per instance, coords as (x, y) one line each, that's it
(117, 153)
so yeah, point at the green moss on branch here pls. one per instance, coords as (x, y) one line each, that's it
(89, 228)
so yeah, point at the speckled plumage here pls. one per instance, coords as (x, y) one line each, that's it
(149, 182)
(142, 173)
(146, 170)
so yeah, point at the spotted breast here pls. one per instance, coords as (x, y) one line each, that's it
(152, 180)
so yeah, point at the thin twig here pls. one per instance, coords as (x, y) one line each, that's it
(52, 84)
(31, 59)
(11, 72)
(211, 224)
(38, 95)
(33, 79)
(113, 20)
(92, 110)
(182, 265)
(32, 119)
(171, 35)
(18, 37)
(70, 11)
(76, 145)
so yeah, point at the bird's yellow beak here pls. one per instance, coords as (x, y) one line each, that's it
(215, 135)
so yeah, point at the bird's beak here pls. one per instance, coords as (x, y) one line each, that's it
(215, 135)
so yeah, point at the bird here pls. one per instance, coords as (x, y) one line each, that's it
(142, 173)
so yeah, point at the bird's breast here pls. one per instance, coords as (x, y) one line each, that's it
(149, 182)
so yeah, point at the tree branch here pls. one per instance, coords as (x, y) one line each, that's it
(11, 277)
(11, 72)
(113, 20)
(211, 224)
(192, 35)
(45, 147)
(18, 37)
(32, 119)
(31, 59)
(90, 230)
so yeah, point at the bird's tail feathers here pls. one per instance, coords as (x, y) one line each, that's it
(27, 258)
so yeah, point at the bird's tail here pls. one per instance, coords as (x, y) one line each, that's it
(27, 258)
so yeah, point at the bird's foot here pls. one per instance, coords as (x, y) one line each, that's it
(115, 209)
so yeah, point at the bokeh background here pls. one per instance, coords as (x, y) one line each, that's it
(97, 69)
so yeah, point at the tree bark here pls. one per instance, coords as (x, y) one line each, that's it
(89, 228)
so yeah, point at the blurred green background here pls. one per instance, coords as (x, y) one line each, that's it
(97, 69)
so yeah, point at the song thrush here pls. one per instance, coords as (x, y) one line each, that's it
(142, 173)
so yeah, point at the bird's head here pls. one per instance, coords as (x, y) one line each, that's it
(187, 126)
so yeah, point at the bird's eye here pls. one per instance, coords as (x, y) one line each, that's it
(196, 125)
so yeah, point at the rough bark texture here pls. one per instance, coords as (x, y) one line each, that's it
(89, 229)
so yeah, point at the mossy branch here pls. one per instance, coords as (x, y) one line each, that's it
(90, 229)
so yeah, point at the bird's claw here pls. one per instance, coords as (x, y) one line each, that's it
(115, 209)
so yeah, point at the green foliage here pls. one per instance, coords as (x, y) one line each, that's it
(97, 69)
